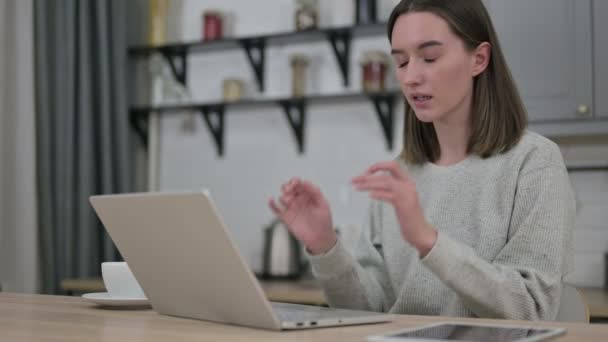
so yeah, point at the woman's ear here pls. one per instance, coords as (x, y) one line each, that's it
(481, 58)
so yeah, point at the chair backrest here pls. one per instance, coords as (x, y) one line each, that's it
(573, 307)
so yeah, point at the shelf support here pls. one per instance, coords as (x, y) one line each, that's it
(256, 54)
(295, 112)
(139, 123)
(178, 62)
(214, 119)
(340, 43)
(385, 109)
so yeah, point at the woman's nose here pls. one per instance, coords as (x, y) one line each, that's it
(411, 75)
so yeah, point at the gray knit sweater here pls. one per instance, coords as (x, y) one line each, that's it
(504, 242)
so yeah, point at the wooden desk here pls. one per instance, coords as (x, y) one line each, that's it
(61, 318)
(301, 292)
(597, 300)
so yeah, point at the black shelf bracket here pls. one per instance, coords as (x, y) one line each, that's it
(214, 119)
(295, 112)
(139, 121)
(385, 109)
(256, 54)
(340, 42)
(178, 62)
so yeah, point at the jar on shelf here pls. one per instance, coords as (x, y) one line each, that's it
(157, 22)
(232, 89)
(365, 11)
(374, 66)
(299, 64)
(307, 14)
(212, 25)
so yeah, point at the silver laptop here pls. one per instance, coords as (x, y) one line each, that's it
(188, 265)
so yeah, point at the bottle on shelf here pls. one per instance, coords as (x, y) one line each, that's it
(307, 15)
(157, 22)
(232, 89)
(374, 66)
(299, 63)
(213, 25)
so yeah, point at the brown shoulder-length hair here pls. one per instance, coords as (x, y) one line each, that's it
(498, 115)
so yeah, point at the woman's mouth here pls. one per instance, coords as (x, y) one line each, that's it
(421, 101)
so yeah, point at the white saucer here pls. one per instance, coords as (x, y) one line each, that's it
(104, 298)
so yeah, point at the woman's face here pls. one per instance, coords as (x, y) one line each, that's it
(434, 68)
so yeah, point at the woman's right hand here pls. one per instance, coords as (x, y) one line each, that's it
(305, 211)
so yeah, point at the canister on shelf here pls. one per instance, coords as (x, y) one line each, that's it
(157, 22)
(307, 14)
(232, 89)
(212, 25)
(374, 66)
(299, 65)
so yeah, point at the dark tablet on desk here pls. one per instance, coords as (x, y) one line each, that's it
(453, 331)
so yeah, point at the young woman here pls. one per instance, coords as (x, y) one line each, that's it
(475, 217)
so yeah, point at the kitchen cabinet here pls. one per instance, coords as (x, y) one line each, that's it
(600, 45)
(548, 46)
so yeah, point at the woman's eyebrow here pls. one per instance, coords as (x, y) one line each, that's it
(422, 46)
(429, 44)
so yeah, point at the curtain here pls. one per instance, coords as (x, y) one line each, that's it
(84, 142)
(18, 230)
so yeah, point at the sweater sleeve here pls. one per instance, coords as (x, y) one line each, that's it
(357, 281)
(524, 281)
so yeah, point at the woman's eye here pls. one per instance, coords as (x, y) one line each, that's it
(402, 64)
(430, 60)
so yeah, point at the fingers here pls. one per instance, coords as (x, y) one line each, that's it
(288, 192)
(275, 208)
(373, 182)
(292, 193)
(378, 187)
(392, 167)
(312, 190)
(283, 212)
(382, 195)
(290, 185)
(285, 200)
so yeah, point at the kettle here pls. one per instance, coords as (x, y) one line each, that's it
(282, 253)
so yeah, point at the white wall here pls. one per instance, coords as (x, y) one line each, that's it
(341, 139)
(18, 230)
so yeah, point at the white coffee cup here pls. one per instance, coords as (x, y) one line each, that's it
(120, 281)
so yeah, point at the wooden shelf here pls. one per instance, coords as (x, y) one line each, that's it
(176, 55)
(293, 108)
(281, 38)
(255, 48)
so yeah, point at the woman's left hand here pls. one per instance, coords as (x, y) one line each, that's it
(386, 181)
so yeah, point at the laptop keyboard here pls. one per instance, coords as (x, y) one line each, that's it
(296, 312)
